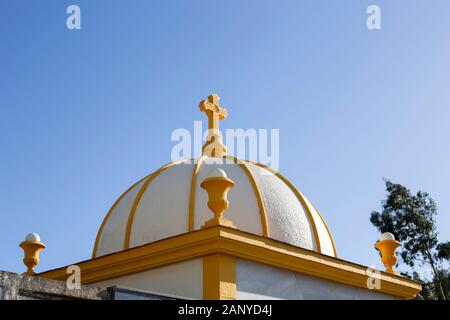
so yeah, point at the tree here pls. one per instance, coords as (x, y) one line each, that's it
(411, 219)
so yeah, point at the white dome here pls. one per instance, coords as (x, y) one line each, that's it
(170, 202)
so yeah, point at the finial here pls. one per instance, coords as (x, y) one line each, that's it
(387, 246)
(32, 246)
(214, 146)
(217, 185)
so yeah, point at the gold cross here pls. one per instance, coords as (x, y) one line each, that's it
(214, 146)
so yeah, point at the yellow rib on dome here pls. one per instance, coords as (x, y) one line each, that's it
(259, 198)
(328, 230)
(126, 243)
(99, 233)
(191, 213)
(301, 199)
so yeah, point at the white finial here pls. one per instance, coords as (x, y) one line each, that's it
(216, 173)
(387, 236)
(33, 237)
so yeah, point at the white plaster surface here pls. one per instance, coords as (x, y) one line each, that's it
(163, 209)
(183, 279)
(287, 220)
(326, 245)
(113, 234)
(261, 282)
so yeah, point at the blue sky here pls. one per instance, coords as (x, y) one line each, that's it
(86, 113)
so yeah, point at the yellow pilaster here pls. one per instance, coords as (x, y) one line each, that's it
(219, 277)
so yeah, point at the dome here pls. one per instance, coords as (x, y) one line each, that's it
(169, 202)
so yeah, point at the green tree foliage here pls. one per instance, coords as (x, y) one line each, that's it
(444, 250)
(411, 219)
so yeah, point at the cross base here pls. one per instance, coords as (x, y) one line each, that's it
(214, 222)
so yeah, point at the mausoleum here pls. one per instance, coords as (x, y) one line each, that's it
(218, 227)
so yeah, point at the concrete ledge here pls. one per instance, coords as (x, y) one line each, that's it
(15, 286)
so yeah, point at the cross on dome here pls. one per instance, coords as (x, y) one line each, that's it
(214, 146)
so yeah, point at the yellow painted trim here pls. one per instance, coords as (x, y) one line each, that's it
(100, 230)
(217, 189)
(388, 257)
(241, 245)
(191, 213)
(301, 200)
(156, 254)
(31, 250)
(126, 242)
(308, 211)
(219, 277)
(328, 230)
(258, 195)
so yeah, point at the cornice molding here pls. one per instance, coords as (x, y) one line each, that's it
(239, 244)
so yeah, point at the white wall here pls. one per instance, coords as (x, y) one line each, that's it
(259, 281)
(184, 279)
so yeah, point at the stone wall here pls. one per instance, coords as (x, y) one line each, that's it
(15, 286)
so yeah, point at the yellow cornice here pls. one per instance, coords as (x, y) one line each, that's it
(238, 244)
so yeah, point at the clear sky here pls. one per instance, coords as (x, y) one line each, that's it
(85, 113)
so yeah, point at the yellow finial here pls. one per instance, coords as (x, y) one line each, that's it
(32, 246)
(387, 246)
(217, 185)
(214, 146)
